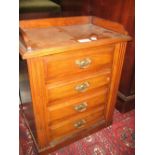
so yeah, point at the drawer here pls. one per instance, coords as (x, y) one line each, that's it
(76, 106)
(68, 63)
(80, 86)
(75, 124)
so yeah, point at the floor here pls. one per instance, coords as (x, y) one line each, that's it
(117, 139)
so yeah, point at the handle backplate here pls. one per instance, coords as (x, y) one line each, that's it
(83, 63)
(82, 87)
(80, 123)
(81, 107)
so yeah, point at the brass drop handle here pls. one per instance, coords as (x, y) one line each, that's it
(83, 63)
(81, 107)
(82, 87)
(80, 123)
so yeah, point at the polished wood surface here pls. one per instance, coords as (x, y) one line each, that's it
(43, 44)
(117, 10)
(116, 74)
(47, 22)
(70, 107)
(107, 24)
(80, 79)
(70, 88)
(123, 12)
(99, 57)
(75, 8)
(70, 125)
(39, 99)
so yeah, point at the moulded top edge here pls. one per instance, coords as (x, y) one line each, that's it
(47, 34)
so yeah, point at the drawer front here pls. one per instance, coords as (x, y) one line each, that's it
(72, 88)
(75, 62)
(77, 105)
(70, 126)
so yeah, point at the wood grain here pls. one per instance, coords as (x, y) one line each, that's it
(46, 22)
(56, 92)
(100, 57)
(92, 101)
(67, 126)
(58, 83)
(67, 32)
(110, 25)
(123, 12)
(39, 99)
(116, 74)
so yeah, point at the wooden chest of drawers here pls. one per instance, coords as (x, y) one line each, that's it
(74, 66)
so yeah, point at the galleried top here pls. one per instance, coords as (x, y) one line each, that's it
(53, 35)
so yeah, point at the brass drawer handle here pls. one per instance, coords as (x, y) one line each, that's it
(81, 107)
(80, 123)
(84, 63)
(82, 87)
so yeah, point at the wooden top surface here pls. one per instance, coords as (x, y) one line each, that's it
(49, 36)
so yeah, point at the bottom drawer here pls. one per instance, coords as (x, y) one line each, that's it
(76, 124)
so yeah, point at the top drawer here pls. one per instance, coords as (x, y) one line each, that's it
(75, 62)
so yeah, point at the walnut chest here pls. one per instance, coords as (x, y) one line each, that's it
(74, 66)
